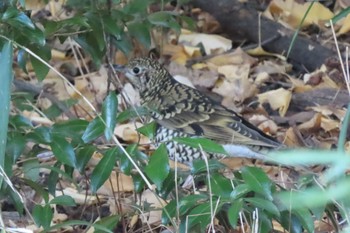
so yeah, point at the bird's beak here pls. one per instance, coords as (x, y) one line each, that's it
(119, 68)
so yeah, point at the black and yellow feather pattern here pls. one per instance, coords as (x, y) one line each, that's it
(179, 108)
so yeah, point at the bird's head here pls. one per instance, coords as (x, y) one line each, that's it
(143, 73)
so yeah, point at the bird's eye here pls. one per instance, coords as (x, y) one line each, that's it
(136, 70)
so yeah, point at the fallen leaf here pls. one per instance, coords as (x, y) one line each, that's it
(329, 124)
(198, 77)
(312, 124)
(153, 216)
(293, 12)
(278, 99)
(123, 183)
(267, 125)
(345, 26)
(259, 51)
(237, 57)
(291, 139)
(128, 133)
(79, 198)
(210, 42)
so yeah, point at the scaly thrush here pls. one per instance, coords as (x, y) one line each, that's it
(181, 111)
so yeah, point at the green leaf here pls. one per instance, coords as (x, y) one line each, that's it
(42, 135)
(169, 212)
(315, 196)
(344, 130)
(305, 218)
(31, 37)
(158, 167)
(257, 181)
(132, 113)
(14, 198)
(139, 183)
(40, 68)
(109, 114)
(190, 23)
(190, 201)
(137, 7)
(21, 20)
(110, 222)
(220, 185)
(42, 215)
(239, 191)
(93, 130)
(233, 212)
(199, 216)
(15, 145)
(55, 110)
(343, 13)
(57, 227)
(31, 169)
(88, 41)
(110, 25)
(123, 42)
(10, 12)
(125, 164)
(269, 206)
(70, 129)
(63, 151)
(53, 178)
(20, 121)
(141, 32)
(63, 200)
(38, 189)
(83, 156)
(168, 185)
(98, 27)
(289, 221)
(103, 169)
(22, 57)
(200, 166)
(6, 76)
(148, 130)
(164, 19)
(204, 143)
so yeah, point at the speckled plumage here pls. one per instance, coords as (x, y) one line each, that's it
(182, 111)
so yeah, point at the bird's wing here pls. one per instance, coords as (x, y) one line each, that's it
(196, 114)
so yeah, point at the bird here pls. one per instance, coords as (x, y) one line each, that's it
(183, 111)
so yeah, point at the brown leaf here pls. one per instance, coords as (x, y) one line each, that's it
(278, 99)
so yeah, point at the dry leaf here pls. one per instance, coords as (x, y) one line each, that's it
(345, 26)
(237, 57)
(291, 139)
(328, 124)
(129, 134)
(259, 51)
(198, 77)
(235, 90)
(153, 216)
(270, 67)
(329, 110)
(124, 183)
(79, 198)
(292, 12)
(132, 96)
(236, 87)
(313, 124)
(267, 125)
(206, 22)
(278, 99)
(183, 80)
(209, 42)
